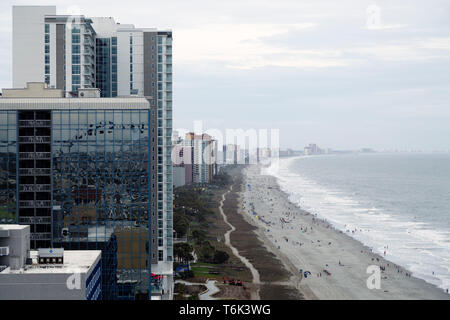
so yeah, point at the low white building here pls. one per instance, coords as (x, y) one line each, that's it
(58, 275)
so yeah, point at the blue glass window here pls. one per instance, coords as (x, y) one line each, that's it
(76, 79)
(76, 59)
(76, 69)
(76, 38)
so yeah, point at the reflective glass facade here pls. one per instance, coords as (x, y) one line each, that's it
(8, 166)
(106, 66)
(101, 178)
(81, 179)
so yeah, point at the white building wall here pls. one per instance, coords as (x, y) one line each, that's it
(123, 63)
(52, 55)
(28, 43)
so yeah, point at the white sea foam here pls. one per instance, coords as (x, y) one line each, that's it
(415, 245)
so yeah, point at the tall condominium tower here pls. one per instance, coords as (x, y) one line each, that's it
(71, 52)
(59, 50)
(204, 150)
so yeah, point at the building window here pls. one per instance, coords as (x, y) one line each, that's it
(76, 79)
(76, 49)
(75, 59)
(47, 28)
(76, 69)
(75, 38)
(75, 29)
(160, 255)
(47, 38)
(47, 48)
(114, 41)
(47, 59)
(47, 69)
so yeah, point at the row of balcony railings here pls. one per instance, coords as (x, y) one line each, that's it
(34, 155)
(35, 139)
(41, 236)
(35, 203)
(35, 123)
(34, 171)
(34, 187)
(33, 220)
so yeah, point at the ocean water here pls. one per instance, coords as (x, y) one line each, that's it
(396, 201)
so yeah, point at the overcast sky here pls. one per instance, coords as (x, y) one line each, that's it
(344, 74)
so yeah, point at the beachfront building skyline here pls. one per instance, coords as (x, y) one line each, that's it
(84, 162)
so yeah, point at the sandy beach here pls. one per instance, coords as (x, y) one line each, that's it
(336, 263)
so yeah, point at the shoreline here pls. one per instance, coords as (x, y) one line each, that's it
(304, 242)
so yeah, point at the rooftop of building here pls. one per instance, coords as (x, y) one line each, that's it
(37, 96)
(79, 261)
(13, 227)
